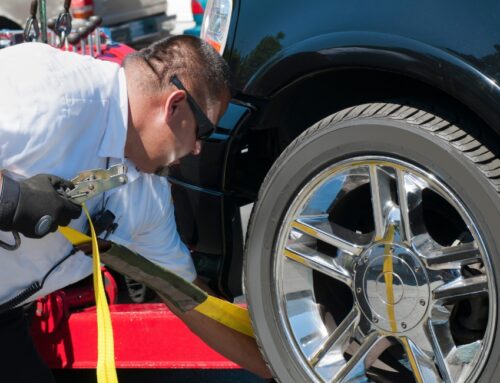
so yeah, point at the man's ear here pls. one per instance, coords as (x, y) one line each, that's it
(172, 103)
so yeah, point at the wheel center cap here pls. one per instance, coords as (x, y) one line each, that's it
(386, 295)
(391, 287)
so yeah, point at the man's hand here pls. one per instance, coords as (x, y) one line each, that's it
(34, 207)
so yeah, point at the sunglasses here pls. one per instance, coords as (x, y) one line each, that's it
(204, 127)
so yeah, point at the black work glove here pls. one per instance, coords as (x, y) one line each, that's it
(34, 207)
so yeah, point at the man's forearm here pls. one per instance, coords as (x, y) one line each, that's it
(235, 346)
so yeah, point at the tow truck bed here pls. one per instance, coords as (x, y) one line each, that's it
(146, 336)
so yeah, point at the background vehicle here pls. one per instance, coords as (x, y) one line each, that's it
(128, 21)
(366, 134)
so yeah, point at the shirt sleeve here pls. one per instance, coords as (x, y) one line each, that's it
(146, 224)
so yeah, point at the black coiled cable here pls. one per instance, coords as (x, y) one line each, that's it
(31, 290)
(21, 297)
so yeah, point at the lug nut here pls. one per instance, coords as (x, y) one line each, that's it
(375, 320)
(422, 302)
(358, 290)
(403, 325)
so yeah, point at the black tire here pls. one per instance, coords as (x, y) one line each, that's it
(448, 152)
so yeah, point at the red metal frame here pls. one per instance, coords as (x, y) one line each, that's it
(146, 336)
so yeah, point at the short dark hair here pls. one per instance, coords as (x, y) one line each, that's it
(192, 59)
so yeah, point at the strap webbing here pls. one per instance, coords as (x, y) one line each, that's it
(169, 284)
(226, 313)
(106, 369)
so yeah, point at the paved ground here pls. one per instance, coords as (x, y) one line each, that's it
(163, 376)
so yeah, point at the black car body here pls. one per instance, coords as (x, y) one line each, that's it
(298, 63)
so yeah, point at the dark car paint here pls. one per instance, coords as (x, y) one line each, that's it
(462, 28)
(452, 46)
(207, 215)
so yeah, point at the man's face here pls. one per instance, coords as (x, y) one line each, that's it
(182, 126)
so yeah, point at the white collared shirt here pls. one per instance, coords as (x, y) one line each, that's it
(62, 113)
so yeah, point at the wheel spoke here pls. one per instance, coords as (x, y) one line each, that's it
(453, 257)
(304, 319)
(423, 367)
(410, 204)
(452, 360)
(369, 351)
(321, 228)
(461, 288)
(334, 189)
(421, 339)
(403, 197)
(320, 262)
(381, 199)
(337, 341)
(353, 179)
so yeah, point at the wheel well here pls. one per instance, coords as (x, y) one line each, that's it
(301, 104)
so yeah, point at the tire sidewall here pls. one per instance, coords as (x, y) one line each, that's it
(319, 148)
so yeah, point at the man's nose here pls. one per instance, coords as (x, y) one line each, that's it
(197, 148)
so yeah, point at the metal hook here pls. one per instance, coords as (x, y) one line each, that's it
(63, 27)
(32, 29)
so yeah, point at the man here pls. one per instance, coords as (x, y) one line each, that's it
(60, 114)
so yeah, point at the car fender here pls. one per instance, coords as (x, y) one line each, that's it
(445, 70)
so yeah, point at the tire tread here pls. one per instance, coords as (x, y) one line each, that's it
(445, 129)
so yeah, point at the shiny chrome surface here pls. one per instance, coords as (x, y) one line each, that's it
(405, 284)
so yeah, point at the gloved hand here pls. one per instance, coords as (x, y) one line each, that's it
(34, 207)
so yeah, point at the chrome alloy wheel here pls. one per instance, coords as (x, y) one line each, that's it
(407, 282)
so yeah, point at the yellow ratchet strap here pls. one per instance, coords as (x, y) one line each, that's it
(388, 278)
(226, 313)
(185, 295)
(106, 369)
